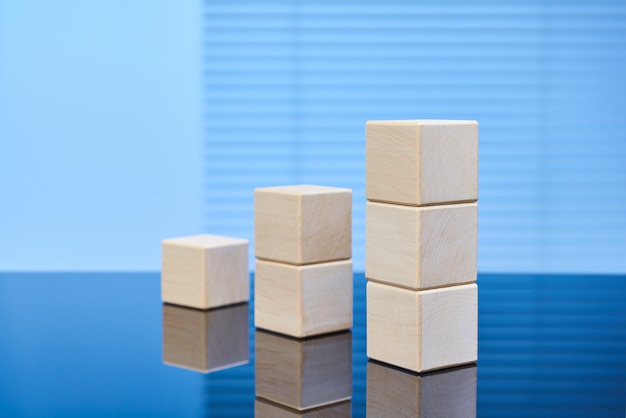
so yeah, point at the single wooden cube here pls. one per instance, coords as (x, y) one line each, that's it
(302, 301)
(303, 224)
(421, 247)
(392, 392)
(205, 271)
(205, 341)
(422, 162)
(303, 374)
(422, 330)
(266, 409)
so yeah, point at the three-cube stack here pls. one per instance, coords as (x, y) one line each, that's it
(303, 245)
(421, 242)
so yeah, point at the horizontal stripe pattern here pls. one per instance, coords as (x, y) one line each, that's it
(289, 85)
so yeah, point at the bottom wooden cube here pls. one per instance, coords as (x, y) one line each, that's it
(303, 374)
(422, 330)
(303, 301)
(205, 271)
(393, 392)
(205, 341)
(265, 409)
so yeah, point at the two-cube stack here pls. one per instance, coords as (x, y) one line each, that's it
(303, 275)
(421, 242)
(303, 288)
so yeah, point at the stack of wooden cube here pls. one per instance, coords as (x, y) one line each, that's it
(421, 243)
(303, 245)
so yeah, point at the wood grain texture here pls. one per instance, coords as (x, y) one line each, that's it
(205, 271)
(422, 162)
(303, 374)
(422, 330)
(302, 301)
(392, 392)
(303, 224)
(421, 247)
(205, 341)
(266, 409)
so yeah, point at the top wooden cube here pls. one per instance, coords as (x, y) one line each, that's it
(422, 162)
(205, 271)
(303, 224)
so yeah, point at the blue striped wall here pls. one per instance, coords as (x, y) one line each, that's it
(289, 85)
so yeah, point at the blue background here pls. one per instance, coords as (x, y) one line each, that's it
(122, 123)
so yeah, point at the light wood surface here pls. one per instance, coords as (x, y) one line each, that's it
(205, 271)
(303, 374)
(421, 247)
(422, 330)
(392, 392)
(205, 341)
(303, 224)
(266, 409)
(302, 301)
(422, 162)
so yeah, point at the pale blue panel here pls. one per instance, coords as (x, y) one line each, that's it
(289, 85)
(100, 132)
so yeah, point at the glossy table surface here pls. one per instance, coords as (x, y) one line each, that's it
(86, 344)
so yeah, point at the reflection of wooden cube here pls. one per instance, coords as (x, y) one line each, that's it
(302, 301)
(303, 374)
(422, 162)
(422, 330)
(205, 271)
(421, 247)
(265, 409)
(396, 393)
(205, 341)
(303, 224)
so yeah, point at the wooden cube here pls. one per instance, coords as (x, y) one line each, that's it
(303, 224)
(303, 374)
(422, 330)
(266, 409)
(422, 162)
(392, 392)
(205, 271)
(421, 247)
(205, 341)
(302, 301)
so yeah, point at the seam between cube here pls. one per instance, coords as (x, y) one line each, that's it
(423, 205)
(312, 263)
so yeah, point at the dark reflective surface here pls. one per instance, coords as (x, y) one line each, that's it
(205, 340)
(393, 392)
(302, 374)
(92, 345)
